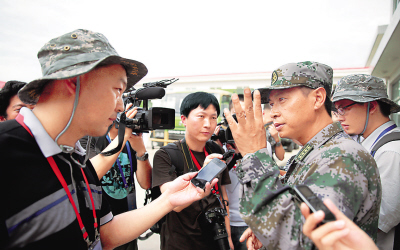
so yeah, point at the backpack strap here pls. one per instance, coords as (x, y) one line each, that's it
(213, 147)
(395, 136)
(176, 158)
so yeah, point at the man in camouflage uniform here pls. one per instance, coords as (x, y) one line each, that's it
(330, 162)
(363, 109)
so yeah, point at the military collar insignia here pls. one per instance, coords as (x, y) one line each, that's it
(304, 152)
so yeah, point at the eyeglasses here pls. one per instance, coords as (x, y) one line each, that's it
(342, 111)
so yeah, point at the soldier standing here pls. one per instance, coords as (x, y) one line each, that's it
(330, 162)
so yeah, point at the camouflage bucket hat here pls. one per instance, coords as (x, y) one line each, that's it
(309, 74)
(363, 88)
(74, 54)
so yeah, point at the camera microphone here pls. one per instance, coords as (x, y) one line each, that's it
(147, 93)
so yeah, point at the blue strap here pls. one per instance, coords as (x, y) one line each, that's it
(120, 167)
(128, 148)
(382, 134)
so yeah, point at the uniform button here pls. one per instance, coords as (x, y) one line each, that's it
(74, 36)
(66, 48)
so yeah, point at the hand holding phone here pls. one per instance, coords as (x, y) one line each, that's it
(208, 173)
(305, 194)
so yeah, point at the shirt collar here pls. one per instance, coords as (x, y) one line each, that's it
(318, 140)
(369, 141)
(325, 134)
(46, 144)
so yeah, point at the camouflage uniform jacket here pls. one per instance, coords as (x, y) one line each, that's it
(332, 165)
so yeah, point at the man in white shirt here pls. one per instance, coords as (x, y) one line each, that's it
(363, 108)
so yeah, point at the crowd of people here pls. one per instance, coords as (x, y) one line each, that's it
(74, 169)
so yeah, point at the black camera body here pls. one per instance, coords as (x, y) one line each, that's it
(225, 133)
(148, 119)
(151, 119)
(216, 217)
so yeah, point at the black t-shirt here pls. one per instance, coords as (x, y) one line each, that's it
(187, 229)
(36, 212)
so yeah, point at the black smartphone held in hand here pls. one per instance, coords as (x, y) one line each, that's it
(208, 173)
(305, 194)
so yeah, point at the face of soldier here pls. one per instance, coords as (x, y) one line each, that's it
(353, 121)
(200, 123)
(14, 107)
(293, 114)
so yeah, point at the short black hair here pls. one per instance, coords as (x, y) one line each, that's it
(241, 98)
(194, 100)
(9, 90)
(384, 107)
(328, 102)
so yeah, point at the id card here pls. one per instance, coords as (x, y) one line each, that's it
(96, 245)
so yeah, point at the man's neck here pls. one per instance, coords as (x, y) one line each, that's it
(373, 124)
(315, 127)
(53, 125)
(195, 145)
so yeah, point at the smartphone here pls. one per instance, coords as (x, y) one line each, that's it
(208, 173)
(305, 194)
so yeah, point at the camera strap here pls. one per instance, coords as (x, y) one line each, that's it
(121, 135)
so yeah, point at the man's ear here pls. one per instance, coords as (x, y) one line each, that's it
(2, 118)
(183, 119)
(71, 85)
(373, 107)
(320, 96)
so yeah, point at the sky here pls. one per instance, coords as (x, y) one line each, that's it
(185, 38)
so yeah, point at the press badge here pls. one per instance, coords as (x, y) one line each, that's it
(96, 245)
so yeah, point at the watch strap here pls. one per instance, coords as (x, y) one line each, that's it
(144, 157)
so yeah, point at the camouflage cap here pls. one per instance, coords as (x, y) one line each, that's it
(363, 88)
(309, 74)
(74, 54)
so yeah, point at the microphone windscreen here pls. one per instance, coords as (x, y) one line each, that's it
(149, 93)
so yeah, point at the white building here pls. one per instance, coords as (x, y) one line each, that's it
(384, 58)
(238, 81)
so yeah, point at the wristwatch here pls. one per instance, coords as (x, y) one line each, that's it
(144, 157)
(278, 144)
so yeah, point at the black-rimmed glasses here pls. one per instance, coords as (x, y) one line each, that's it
(342, 110)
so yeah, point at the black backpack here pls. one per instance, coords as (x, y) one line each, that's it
(177, 166)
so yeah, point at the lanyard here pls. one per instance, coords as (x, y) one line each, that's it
(53, 164)
(384, 132)
(119, 164)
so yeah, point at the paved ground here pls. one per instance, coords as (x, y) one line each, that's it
(153, 242)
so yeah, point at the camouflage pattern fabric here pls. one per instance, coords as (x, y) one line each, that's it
(308, 74)
(74, 54)
(332, 165)
(363, 88)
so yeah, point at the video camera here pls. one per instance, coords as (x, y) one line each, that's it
(225, 133)
(148, 119)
